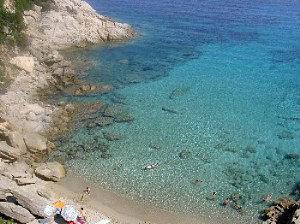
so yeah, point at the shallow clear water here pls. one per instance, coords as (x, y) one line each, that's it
(214, 89)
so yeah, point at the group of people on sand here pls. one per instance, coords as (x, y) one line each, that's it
(58, 212)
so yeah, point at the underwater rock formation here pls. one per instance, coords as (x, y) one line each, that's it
(179, 91)
(281, 212)
(286, 135)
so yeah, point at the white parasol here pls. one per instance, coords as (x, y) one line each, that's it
(69, 213)
(49, 211)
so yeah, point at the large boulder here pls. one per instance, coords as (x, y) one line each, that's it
(30, 200)
(25, 63)
(10, 153)
(15, 139)
(35, 143)
(20, 172)
(16, 212)
(52, 171)
(73, 23)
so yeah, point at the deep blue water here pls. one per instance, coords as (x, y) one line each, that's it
(230, 69)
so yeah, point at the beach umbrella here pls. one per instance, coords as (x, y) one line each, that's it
(49, 211)
(69, 213)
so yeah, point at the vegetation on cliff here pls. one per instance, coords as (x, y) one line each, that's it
(12, 24)
(4, 221)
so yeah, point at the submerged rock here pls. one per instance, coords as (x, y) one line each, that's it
(248, 151)
(155, 146)
(292, 156)
(91, 88)
(103, 121)
(185, 154)
(118, 113)
(85, 89)
(281, 212)
(124, 117)
(105, 155)
(286, 135)
(110, 136)
(112, 111)
(179, 91)
(205, 157)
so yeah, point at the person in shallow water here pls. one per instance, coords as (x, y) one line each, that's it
(86, 192)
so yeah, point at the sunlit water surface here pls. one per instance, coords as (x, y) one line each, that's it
(214, 89)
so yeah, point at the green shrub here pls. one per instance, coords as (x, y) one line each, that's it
(12, 24)
(3, 221)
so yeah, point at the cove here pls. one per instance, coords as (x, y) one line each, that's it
(212, 92)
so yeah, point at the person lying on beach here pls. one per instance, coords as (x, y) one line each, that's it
(81, 219)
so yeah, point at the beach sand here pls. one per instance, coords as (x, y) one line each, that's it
(101, 204)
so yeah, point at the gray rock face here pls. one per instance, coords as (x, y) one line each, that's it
(52, 171)
(24, 63)
(15, 139)
(296, 218)
(31, 201)
(20, 172)
(4, 128)
(10, 153)
(72, 22)
(16, 212)
(35, 143)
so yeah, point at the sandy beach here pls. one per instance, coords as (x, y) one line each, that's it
(122, 210)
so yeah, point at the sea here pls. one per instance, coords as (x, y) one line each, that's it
(205, 108)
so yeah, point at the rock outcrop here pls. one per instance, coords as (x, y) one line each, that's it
(296, 217)
(25, 63)
(31, 201)
(10, 153)
(21, 201)
(16, 212)
(24, 119)
(72, 23)
(282, 211)
(35, 143)
(52, 171)
(15, 139)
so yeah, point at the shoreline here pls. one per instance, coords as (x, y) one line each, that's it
(128, 210)
(25, 113)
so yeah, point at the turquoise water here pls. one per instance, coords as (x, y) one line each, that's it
(214, 89)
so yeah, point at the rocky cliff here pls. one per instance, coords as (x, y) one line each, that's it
(24, 119)
(72, 23)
